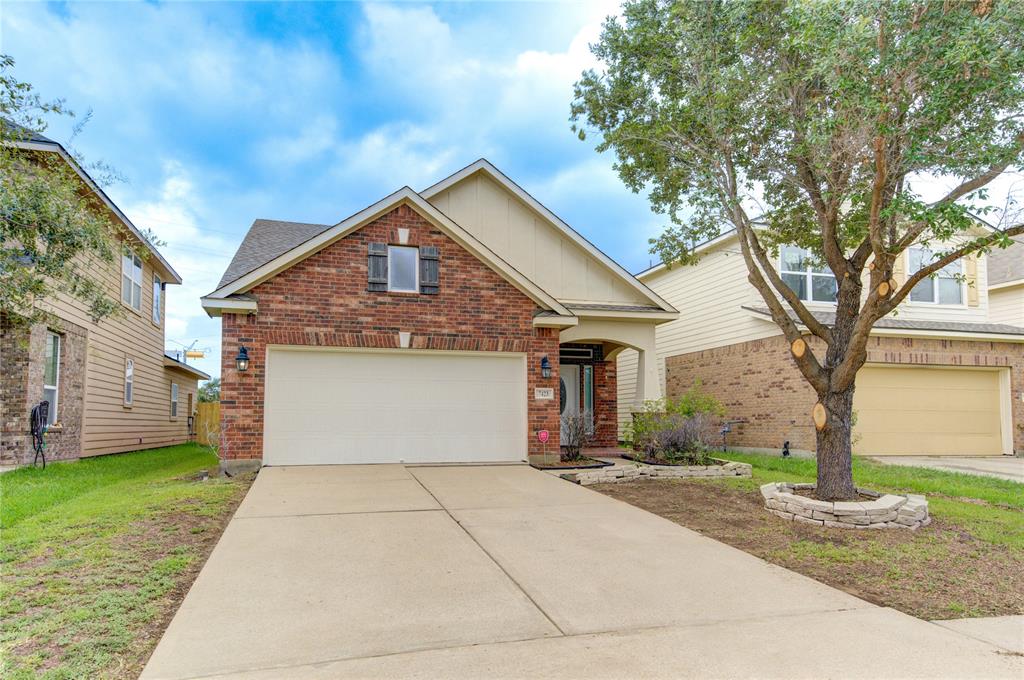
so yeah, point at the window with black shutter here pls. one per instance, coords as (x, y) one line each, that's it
(378, 267)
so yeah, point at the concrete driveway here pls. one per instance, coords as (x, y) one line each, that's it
(1002, 467)
(507, 572)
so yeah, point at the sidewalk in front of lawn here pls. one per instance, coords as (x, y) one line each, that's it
(1001, 467)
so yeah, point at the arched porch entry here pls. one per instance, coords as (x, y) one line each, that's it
(588, 374)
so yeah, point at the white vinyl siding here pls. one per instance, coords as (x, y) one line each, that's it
(131, 280)
(51, 376)
(1006, 305)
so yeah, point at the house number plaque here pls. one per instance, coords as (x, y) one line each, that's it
(544, 393)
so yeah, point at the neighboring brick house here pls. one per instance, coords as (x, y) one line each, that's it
(450, 325)
(109, 384)
(943, 377)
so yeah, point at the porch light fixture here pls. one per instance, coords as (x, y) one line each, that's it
(242, 360)
(545, 367)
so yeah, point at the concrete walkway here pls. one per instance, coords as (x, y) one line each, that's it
(1003, 467)
(1003, 631)
(501, 572)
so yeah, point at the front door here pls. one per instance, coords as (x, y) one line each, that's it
(570, 393)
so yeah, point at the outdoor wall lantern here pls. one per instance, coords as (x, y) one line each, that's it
(545, 367)
(242, 360)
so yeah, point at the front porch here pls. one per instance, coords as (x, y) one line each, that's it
(587, 380)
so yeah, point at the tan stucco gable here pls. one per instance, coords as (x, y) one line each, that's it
(535, 241)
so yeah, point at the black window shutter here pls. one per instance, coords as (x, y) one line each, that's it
(377, 266)
(430, 279)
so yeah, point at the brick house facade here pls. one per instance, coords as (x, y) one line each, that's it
(759, 384)
(323, 301)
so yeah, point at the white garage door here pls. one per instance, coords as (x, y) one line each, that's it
(325, 407)
(930, 411)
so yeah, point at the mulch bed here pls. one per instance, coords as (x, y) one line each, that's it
(937, 572)
(662, 461)
(580, 463)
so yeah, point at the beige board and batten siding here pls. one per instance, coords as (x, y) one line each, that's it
(531, 244)
(110, 427)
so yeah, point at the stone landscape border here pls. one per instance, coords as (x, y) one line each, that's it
(630, 471)
(885, 511)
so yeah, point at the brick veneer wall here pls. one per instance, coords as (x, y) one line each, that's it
(323, 301)
(758, 382)
(606, 411)
(22, 349)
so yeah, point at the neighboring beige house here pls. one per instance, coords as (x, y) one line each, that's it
(943, 376)
(110, 386)
(1006, 284)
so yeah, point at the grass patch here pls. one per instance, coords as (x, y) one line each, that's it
(96, 556)
(968, 562)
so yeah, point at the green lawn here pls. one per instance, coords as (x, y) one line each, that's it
(96, 556)
(991, 509)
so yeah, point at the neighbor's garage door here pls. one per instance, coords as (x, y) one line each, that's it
(928, 411)
(326, 407)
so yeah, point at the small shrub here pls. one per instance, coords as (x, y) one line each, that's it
(576, 435)
(680, 439)
(663, 414)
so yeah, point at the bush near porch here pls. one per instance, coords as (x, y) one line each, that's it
(97, 555)
(969, 562)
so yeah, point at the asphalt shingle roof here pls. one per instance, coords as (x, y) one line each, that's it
(829, 319)
(1006, 264)
(266, 240)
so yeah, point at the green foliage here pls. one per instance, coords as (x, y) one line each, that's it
(675, 429)
(720, 104)
(54, 231)
(209, 391)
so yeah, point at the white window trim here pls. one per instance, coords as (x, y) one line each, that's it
(128, 263)
(52, 415)
(416, 271)
(129, 381)
(808, 275)
(934, 280)
(158, 296)
(174, 400)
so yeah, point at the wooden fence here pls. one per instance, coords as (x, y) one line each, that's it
(207, 425)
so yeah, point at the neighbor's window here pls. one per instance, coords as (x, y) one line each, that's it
(403, 269)
(944, 288)
(804, 277)
(131, 280)
(129, 378)
(51, 375)
(174, 400)
(157, 297)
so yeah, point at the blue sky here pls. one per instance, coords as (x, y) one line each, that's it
(219, 113)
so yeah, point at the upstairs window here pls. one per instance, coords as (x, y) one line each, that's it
(810, 282)
(131, 281)
(51, 375)
(403, 269)
(945, 287)
(157, 298)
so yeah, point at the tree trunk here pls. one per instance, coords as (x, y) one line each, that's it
(835, 454)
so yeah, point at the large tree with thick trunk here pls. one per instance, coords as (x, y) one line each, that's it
(824, 125)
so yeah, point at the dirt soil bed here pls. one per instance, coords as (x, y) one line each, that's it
(583, 462)
(937, 572)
